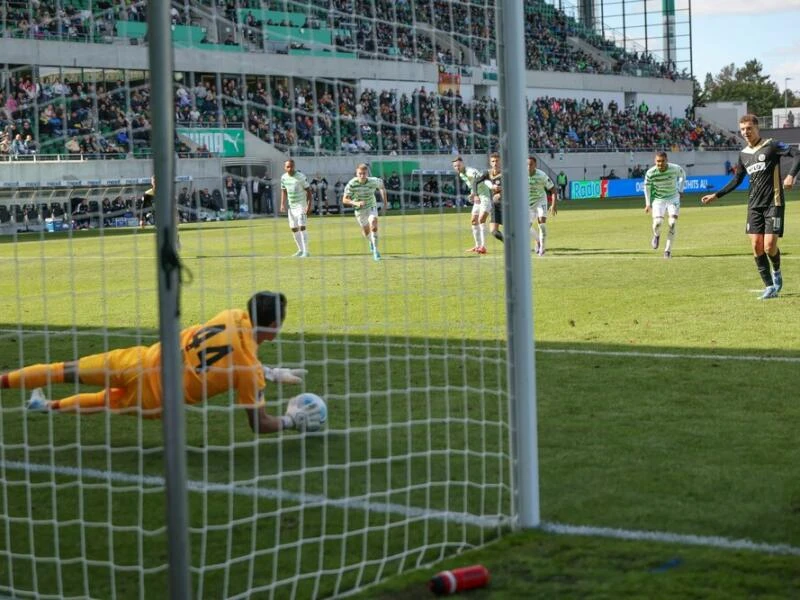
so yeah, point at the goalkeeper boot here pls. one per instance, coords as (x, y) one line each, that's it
(777, 281)
(38, 401)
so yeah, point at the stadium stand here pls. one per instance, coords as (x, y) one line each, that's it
(112, 120)
(46, 116)
(554, 41)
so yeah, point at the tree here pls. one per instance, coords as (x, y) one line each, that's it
(747, 83)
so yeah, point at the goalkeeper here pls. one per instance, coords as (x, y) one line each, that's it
(217, 356)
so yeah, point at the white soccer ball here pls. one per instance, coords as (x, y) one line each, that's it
(308, 402)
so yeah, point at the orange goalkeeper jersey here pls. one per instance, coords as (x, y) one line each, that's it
(219, 355)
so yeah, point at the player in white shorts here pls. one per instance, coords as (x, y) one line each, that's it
(360, 194)
(663, 188)
(296, 202)
(541, 193)
(481, 197)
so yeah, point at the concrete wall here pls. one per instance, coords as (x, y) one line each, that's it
(723, 114)
(204, 172)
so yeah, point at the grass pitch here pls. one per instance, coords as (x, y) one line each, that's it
(666, 402)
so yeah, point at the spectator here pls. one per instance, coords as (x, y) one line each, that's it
(30, 144)
(18, 146)
(72, 146)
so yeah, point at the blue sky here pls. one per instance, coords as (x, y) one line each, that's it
(735, 31)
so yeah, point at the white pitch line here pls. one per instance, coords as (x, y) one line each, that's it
(266, 493)
(671, 538)
(673, 355)
(488, 522)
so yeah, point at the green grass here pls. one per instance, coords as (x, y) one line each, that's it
(661, 406)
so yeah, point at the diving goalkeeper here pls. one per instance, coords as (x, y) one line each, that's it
(217, 356)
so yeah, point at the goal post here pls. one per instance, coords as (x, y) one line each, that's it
(161, 60)
(519, 286)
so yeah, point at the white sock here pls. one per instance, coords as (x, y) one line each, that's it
(304, 239)
(657, 226)
(373, 237)
(534, 234)
(482, 233)
(298, 239)
(476, 234)
(670, 235)
(542, 233)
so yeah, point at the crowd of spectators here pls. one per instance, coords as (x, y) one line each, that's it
(381, 29)
(110, 119)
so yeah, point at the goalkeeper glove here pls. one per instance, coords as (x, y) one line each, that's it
(281, 375)
(303, 418)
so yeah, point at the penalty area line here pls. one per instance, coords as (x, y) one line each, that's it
(410, 512)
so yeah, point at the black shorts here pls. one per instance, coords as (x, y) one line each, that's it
(497, 212)
(765, 220)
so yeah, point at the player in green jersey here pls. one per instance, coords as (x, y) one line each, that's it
(360, 194)
(480, 195)
(296, 201)
(663, 188)
(542, 198)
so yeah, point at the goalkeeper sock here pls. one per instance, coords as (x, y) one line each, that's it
(35, 376)
(81, 402)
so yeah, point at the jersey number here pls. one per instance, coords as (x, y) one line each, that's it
(208, 355)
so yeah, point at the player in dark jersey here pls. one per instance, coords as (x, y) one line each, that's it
(494, 177)
(761, 159)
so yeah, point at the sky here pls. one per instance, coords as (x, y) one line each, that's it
(735, 31)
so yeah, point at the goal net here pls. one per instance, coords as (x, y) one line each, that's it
(401, 331)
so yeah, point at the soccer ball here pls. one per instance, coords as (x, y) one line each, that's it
(308, 402)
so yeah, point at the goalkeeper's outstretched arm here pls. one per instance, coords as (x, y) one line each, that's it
(261, 422)
(300, 419)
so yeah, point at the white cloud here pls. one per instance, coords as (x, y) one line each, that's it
(739, 7)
